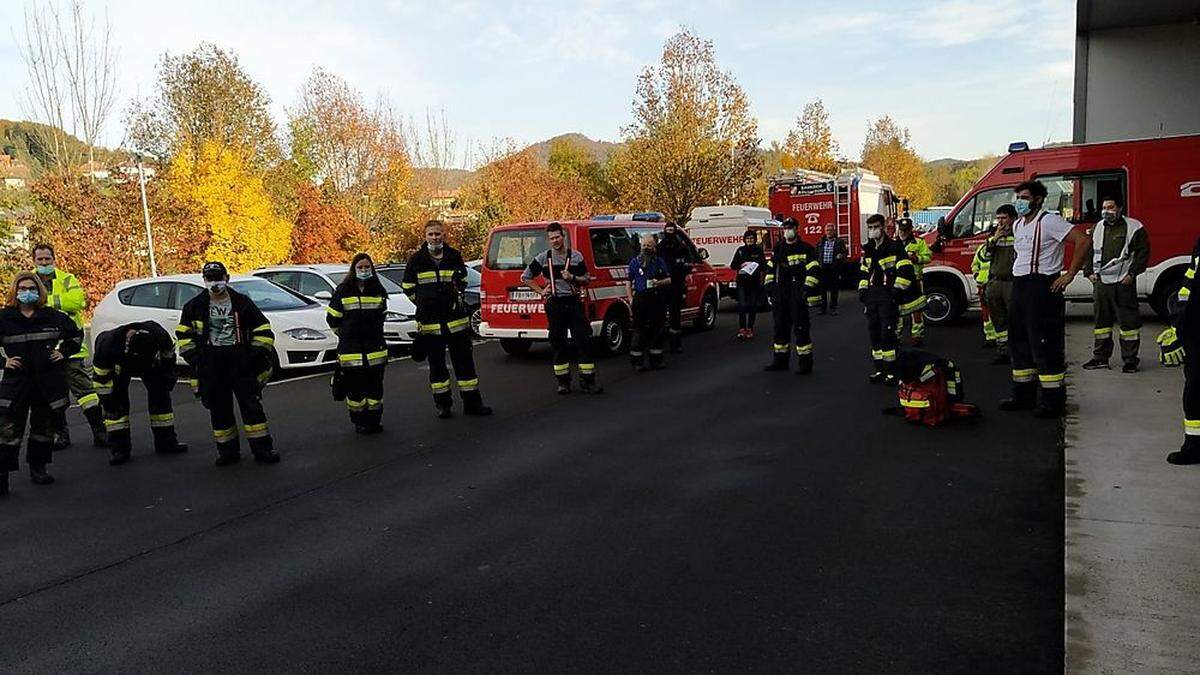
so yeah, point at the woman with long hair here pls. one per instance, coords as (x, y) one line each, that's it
(36, 341)
(356, 314)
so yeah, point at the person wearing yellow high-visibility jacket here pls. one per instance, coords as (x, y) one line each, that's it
(981, 265)
(434, 280)
(999, 291)
(356, 314)
(919, 254)
(64, 293)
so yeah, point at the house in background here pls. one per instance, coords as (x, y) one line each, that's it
(14, 175)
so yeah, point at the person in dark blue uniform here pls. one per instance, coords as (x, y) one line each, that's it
(649, 283)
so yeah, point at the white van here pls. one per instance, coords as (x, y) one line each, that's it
(719, 230)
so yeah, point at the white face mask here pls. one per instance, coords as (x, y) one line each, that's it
(1109, 216)
(789, 234)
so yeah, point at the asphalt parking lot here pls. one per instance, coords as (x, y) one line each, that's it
(706, 517)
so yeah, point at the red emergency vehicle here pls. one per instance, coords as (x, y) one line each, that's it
(846, 199)
(1157, 179)
(516, 315)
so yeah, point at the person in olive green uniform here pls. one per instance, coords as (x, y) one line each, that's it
(1000, 279)
(1120, 251)
(64, 293)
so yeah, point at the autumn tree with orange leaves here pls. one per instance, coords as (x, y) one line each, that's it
(324, 230)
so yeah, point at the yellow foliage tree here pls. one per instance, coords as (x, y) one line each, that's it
(810, 143)
(888, 152)
(218, 187)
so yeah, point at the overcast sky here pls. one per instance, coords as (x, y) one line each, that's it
(965, 76)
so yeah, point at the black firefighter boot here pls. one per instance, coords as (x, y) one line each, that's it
(1188, 453)
(95, 418)
(39, 476)
(779, 360)
(3, 483)
(563, 383)
(1024, 397)
(166, 442)
(657, 359)
(587, 384)
(62, 435)
(473, 404)
(120, 454)
(804, 364)
(444, 404)
(637, 360)
(1053, 403)
(676, 342)
(880, 374)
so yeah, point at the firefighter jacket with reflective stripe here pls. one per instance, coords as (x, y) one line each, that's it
(887, 266)
(255, 340)
(111, 358)
(981, 264)
(918, 252)
(678, 257)
(794, 269)
(357, 315)
(32, 339)
(64, 293)
(1003, 256)
(1186, 319)
(435, 287)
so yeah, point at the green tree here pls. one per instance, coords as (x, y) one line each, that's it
(693, 140)
(571, 162)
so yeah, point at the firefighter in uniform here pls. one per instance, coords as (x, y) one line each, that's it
(434, 280)
(981, 265)
(792, 280)
(887, 274)
(356, 313)
(36, 340)
(1000, 279)
(678, 255)
(144, 350)
(919, 254)
(1037, 337)
(649, 282)
(1178, 345)
(228, 342)
(1120, 251)
(559, 275)
(64, 293)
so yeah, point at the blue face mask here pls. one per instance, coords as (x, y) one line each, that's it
(1022, 206)
(45, 270)
(363, 276)
(27, 297)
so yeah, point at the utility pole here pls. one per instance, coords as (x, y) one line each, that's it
(146, 215)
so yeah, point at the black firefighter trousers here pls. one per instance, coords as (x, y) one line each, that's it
(458, 343)
(1036, 341)
(115, 403)
(882, 314)
(649, 322)
(43, 422)
(790, 311)
(566, 315)
(223, 378)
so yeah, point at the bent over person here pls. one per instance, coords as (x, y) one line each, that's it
(144, 350)
(226, 339)
(434, 280)
(36, 341)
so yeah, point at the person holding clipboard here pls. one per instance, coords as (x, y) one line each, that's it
(751, 264)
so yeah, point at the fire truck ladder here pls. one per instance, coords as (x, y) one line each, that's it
(841, 199)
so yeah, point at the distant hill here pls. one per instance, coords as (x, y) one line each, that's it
(449, 179)
(25, 141)
(598, 149)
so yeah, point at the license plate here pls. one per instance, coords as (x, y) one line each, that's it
(523, 296)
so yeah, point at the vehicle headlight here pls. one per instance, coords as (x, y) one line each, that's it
(305, 334)
(395, 316)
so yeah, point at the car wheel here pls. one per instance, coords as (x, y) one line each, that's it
(943, 304)
(706, 318)
(614, 333)
(1165, 299)
(515, 346)
(476, 320)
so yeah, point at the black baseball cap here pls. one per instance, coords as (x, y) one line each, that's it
(214, 271)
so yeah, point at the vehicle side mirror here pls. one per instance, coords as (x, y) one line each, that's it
(703, 253)
(941, 227)
(323, 295)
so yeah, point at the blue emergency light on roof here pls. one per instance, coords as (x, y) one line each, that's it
(1019, 146)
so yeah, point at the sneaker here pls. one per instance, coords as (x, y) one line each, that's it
(741, 334)
(1096, 364)
(227, 460)
(890, 380)
(62, 442)
(1129, 368)
(749, 333)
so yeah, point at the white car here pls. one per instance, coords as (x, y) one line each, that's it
(318, 282)
(302, 337)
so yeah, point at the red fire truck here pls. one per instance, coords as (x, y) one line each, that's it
(1157, 179)
(516, 315)
(816, 199)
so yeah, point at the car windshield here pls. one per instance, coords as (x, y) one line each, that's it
(269, 297)
(514, 249)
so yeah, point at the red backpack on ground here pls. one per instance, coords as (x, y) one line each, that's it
(931, 389)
